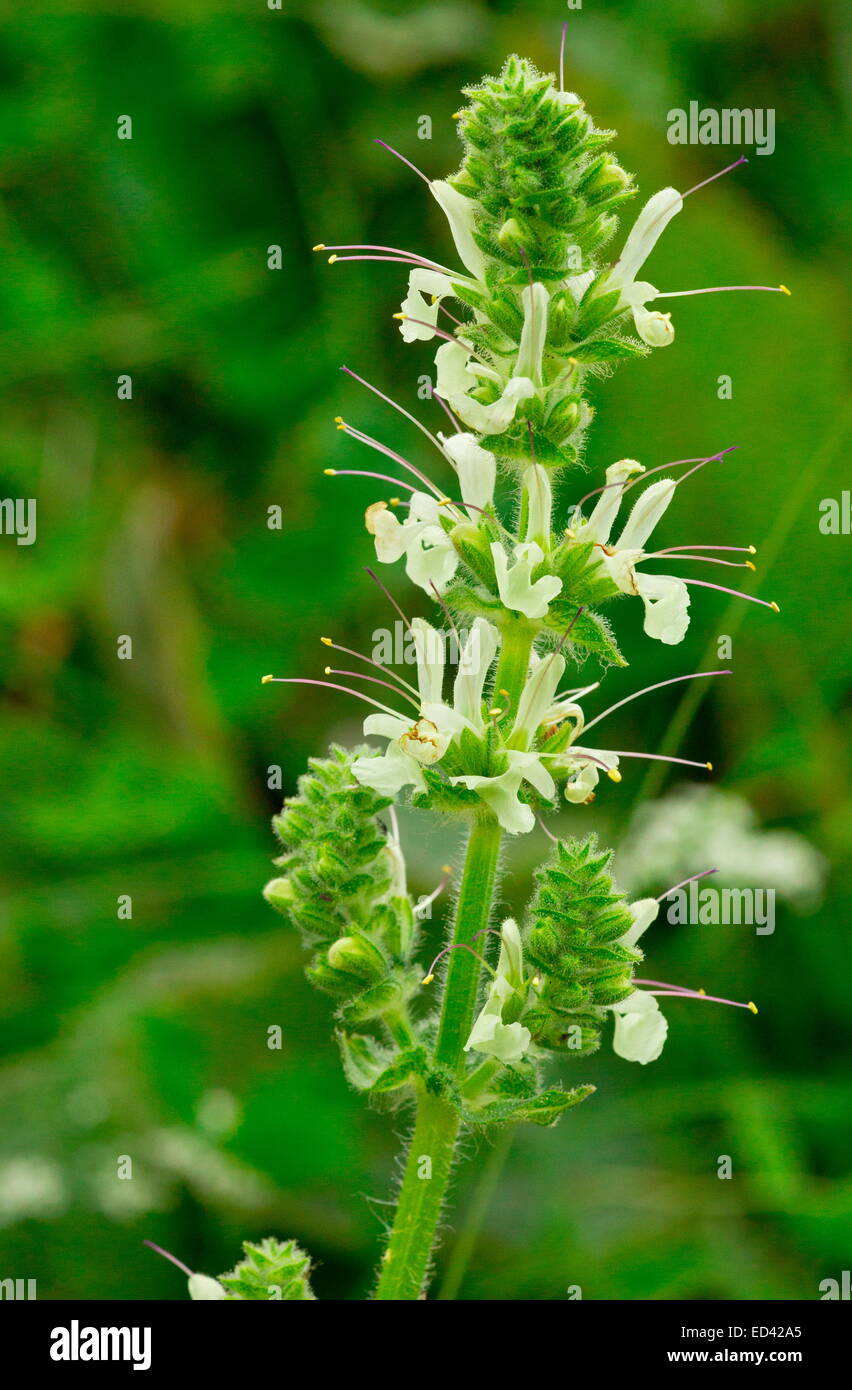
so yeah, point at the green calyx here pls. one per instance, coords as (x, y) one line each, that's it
(273, 1271)
(576, 920)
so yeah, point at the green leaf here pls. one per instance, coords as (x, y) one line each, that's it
(544, 1109)
(607, 350)
(590, 632)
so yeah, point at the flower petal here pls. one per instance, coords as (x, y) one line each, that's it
(640, 1031)
(475, 660)
(458, 211)
(646, 514)
(515, 585)
(666, 600)
(476, 468)
(645, 233)
(643, 912)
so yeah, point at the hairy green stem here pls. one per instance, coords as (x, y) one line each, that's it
(430, 1156)
(421, 1197)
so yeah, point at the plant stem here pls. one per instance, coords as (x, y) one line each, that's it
(515, 647)
(424, 1186)
(421, 1196)
(473, 912)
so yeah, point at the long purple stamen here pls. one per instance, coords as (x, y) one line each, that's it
(705, 584)
(392, 250)
(677, 993)
(376, 680)
(388, 595)
(670, 549)
(446, 409)
(693, 878)
(721, 289)
(649, 473)
(389, 401)
(367, 473)
(439, 332)
(330, 685)
(697, 675)
(708, 560)
(381, 448)
(662, 758)
(359, 656)
(562, 58)
(459, 946)
(419, 172)
(704, 182)
(158, 1249)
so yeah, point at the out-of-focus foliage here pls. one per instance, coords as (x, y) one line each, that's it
(147, 1037)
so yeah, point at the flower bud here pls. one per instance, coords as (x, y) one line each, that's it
(280, 895)
(355, 955)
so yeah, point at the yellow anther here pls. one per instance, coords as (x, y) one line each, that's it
(774, 606)
(503, 692)
(749, 566)
(331, 260)
(434, 298)
(752, 550)
(572, 535)
(326, 671)
(446, 868)
(445, 501)
(330, 472)
(457, 115)
(536, 982)
(752, 1006)
(709, 767)
(326, 641)
(573, 361)
(264, 680)
(339, 420)
(701, 991)
(427, 979)
(320, 246)
(613, 774)
(399, 316)
(496, 713)
(784, 290)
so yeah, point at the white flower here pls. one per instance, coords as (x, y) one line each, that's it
(515, 583)
(500, 792)
(420, 315)
(427, 287)
(459, 372)
(202, 1287)
(640, 1027)
(459, 213)
(506, 1041)
(476, 468)
(430, 556)
(665, 597)
(582, 765)
(425, 741)
(653, 328)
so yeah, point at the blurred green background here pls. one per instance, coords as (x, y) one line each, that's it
(147, 1037)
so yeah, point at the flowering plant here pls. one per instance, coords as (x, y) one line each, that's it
(523, 587)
